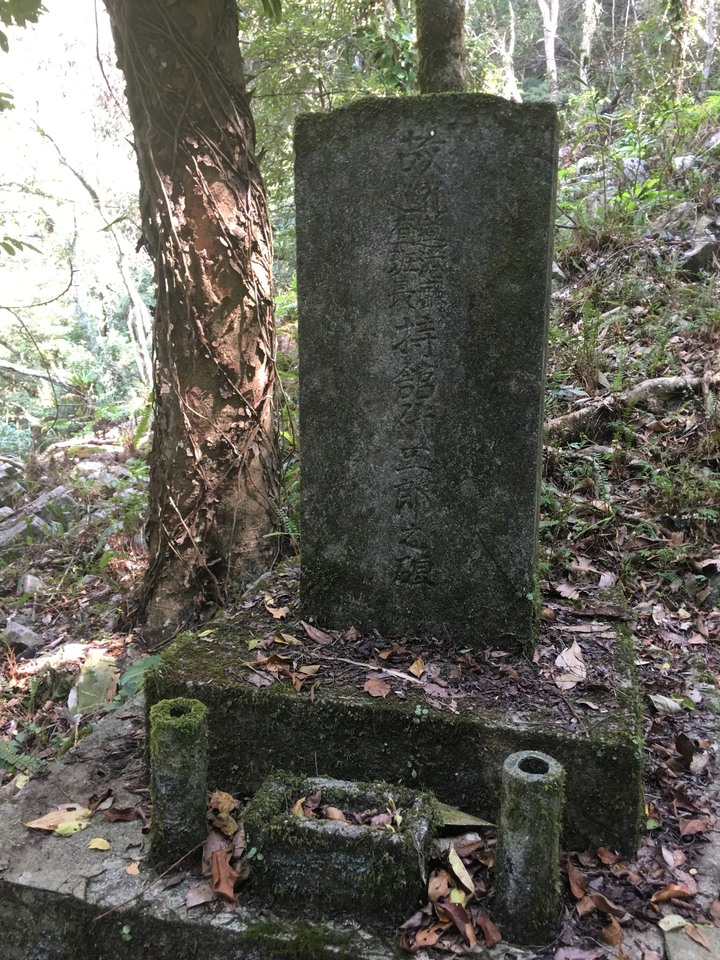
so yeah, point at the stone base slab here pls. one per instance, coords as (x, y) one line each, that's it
(344, 733)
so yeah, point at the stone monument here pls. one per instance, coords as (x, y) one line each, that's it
(424, 233)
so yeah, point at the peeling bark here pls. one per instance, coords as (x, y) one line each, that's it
(214, 465)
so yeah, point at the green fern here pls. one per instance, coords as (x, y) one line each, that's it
(22, 762)
(289, 524)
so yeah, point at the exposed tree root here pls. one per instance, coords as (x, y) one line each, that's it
(593, 420)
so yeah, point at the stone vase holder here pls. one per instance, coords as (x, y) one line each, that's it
(178, 778)
(527, 870)
(327, 867)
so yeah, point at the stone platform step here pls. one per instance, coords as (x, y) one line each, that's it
(60, 900)
(342, 732)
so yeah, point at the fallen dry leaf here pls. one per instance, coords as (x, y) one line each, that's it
(214, 841)
(316, 634)
(99, 843)
(430, 936)
(585, 906)
(334, 813)
(613, 933)
(578, 880)
(377, 688)
(696, 934)
(607, 906)
(690, 827)
(490, 931)
(567, 590)
(607, 856)
(259, 680)
(223, 802)
(133, 869)
(460, 871)
(223, 875)
(673, 891)
(71, 817)
(459, 916)
(439, 885)
(196, 896)
(571, 663)
(418, 668)
(664, 705)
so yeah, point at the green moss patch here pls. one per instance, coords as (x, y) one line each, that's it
(338, 730)
(332, 867)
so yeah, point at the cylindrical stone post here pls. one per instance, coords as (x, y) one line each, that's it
(178, 778)
(526, 898)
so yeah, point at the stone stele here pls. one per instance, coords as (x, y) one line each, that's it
(424, 232)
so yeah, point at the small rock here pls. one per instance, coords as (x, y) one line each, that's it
(21, 638)
(584, 164)
(29, 585)
(680, 220)
(700, 257)
(14, 533)
(687, 162)
(635, 169)
(712, 141)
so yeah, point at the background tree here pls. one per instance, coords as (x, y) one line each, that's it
(441, 45)
(214, 470)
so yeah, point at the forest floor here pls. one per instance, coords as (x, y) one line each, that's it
(630, 507)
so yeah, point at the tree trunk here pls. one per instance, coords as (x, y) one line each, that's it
(591, 15)
(511, 90)
(710, 39)
(214, 464)
(441, 45)
(550, 10)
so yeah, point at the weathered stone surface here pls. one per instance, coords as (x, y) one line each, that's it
(527, 886)
(61, 900)
(679, 945)
(330, 867)
(29, 585)
(21, 637)
(342, 732)
(424, 232)
(15, 532)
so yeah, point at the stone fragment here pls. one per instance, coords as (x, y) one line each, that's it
(423, 284)
(29, 585)
(21, 638)
(15, 532)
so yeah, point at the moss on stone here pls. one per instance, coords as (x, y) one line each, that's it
(331, 868)
(178, 740)
(527, 870)
(345, 734)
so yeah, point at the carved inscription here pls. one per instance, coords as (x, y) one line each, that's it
(415, 275)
